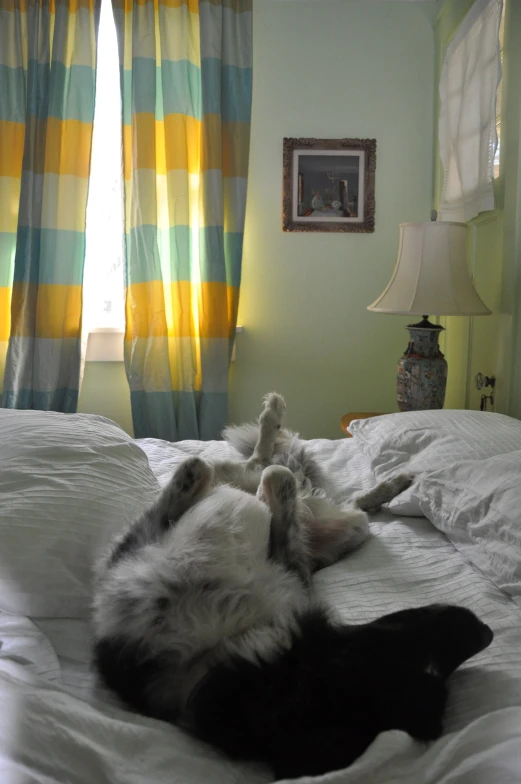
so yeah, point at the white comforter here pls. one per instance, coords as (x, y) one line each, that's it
(55, 726)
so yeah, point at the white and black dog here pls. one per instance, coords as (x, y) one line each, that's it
(204, 615)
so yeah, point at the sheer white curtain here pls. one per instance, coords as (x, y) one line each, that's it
(467, 127)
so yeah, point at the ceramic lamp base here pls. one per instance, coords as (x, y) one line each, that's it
(422, 371)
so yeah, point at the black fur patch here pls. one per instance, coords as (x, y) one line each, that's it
(209, 586)
(186, 480)
(320, 705)
(127, 546)
(165, 523)
(129, 671)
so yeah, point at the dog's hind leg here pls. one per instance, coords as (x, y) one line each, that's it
(270, 423)
(383, 493)
(288, 543)
(189, 483)
(332, 532)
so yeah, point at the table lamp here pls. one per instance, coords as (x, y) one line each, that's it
(430, 277)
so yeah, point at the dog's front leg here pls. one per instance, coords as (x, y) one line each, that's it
(189, 483)
(270, 422)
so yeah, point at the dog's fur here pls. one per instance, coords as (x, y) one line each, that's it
(204, 616)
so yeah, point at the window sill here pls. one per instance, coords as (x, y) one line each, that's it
(105, 344)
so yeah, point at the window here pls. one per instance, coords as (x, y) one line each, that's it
(467, 125)
(103, 292)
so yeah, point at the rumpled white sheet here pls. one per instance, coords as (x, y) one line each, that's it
(49, 736)
(488, 751)
(56, 727)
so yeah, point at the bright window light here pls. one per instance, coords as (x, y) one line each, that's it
(499, 96)
(103, 286)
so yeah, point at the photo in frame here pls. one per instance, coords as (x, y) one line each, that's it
(329, 185)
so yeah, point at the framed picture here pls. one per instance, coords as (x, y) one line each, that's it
(328, 185)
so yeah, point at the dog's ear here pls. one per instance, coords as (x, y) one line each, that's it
(456, 634)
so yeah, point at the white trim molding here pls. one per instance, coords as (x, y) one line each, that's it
(105, 344)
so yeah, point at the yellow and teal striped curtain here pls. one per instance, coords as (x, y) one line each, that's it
(47, 87)
(186, 84)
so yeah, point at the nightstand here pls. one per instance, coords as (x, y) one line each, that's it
(348, 418)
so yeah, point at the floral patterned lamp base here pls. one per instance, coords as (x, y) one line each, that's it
(422, 371)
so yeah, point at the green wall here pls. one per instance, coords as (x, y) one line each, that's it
(334, 68)
(105, 391)
(331, 69)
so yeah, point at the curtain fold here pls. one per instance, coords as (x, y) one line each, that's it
(47, 91)
(186, 87)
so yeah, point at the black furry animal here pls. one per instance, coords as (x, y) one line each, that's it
(324, 700)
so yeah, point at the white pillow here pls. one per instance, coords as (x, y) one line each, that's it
(477, 504)
(68, 483)
(422, 441)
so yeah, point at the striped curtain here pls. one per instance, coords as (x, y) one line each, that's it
(186, 83)
(47, 83)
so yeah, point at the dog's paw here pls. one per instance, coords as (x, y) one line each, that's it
(384, 492)
(189, 482)
(400, 482)
(278, 488)
(274, 410)
(192, 477)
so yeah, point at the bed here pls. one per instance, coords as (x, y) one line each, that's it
(68, 483)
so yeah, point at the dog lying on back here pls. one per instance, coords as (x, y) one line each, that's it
(204, 616)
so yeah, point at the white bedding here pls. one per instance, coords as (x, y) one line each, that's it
(55, 726)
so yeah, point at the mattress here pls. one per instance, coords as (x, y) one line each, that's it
(45, 667)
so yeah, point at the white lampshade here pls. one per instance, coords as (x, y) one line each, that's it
(431, 275)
